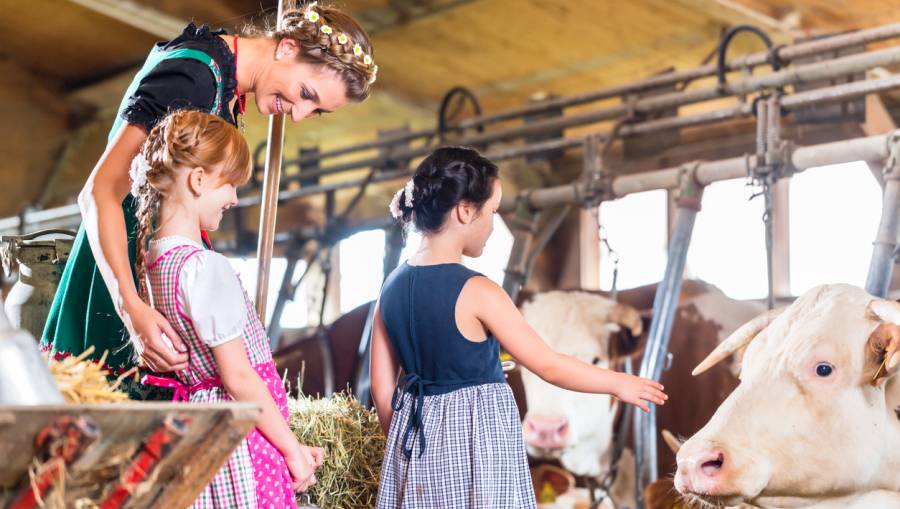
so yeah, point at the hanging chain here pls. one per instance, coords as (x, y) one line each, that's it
(613, 255)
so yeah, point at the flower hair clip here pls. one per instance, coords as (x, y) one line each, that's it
(325, 29)
(407, 191)
(138, 173)
(311, 15)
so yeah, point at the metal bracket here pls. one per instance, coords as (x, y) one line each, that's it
(689, 193)
(595, 185)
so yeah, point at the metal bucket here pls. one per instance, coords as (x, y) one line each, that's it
(40, 264)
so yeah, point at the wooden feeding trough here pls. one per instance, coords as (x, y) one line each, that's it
(120, 455)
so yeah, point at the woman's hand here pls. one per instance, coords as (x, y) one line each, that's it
(638, 391)
(150, 326)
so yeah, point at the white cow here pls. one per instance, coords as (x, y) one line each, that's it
(807, 424)
(574, 427)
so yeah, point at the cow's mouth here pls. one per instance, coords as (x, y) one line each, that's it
(544, 452)
(700, 501)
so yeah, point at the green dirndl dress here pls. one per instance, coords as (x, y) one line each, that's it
(82, 313)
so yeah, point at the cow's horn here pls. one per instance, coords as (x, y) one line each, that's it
(737, 339)
(626, 316)
(671, 441)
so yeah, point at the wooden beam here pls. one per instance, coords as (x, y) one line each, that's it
(731, 13)
(129, 12)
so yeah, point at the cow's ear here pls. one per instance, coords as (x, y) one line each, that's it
(624, 343)
(882, 357)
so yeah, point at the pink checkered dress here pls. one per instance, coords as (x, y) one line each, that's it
(256, 474)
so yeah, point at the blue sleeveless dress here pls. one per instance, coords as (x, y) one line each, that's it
(455, 438)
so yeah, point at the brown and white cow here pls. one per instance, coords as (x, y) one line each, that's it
(809, 422)
(577, 428)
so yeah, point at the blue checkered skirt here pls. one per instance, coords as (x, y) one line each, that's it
(474, 455)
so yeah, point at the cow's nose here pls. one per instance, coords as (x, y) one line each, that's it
(700, 470)
(546, 432)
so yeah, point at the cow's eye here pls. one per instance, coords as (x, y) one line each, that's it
(824, 369)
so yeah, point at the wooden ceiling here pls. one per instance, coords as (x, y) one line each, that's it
(506, 51)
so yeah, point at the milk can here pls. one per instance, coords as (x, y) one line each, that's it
(40, 263)
(25, 378)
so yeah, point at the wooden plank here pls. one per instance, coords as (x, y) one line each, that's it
(214, 432)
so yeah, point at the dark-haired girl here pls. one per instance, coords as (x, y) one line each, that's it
(454, 436)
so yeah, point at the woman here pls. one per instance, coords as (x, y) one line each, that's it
(320, 60)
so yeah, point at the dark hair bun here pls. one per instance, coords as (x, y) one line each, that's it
(447, 177)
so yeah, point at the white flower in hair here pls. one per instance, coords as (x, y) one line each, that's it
(357, 50)
(408, 191)
(343, 39)
(310, 14)
(394, 207)
(367, 60)
(138, 173)
(326, 29)
(374, 75)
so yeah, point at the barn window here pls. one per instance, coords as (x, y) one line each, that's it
(728, 247)
(295, 312)
(636, 228)
(834, 217)
(362, 268)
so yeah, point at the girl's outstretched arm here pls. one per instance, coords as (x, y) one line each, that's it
(383, 371)
(497, 312)
(244, 384)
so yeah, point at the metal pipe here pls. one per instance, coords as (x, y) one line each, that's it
(878, 280)
(664, 308)
(786, 54)
(870, 148)
(269, 204)
(805, 73)
(68, 215)
(790, 103)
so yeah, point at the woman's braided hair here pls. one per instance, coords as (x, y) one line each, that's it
(182, 141)
(330, 37)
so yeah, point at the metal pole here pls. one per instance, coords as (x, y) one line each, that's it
(269, 203)
(878, 280)
(803, 73)
(789, 103)
(664, 308)
(785, 54)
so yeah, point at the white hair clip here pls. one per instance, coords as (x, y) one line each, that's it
(310, 14)
(138, 173)
(407, 189)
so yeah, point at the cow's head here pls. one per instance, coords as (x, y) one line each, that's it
(576, 428)
(809, 417)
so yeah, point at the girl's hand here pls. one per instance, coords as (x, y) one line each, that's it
(638, 391)
(150, 325)
(302, 463)
(317, 454)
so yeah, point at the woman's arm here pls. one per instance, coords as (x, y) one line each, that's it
(493, 307)
(383, 371)
(100, 202)
(244, 384)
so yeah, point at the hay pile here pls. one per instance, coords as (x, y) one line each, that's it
(354, 448)
(83, 381)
